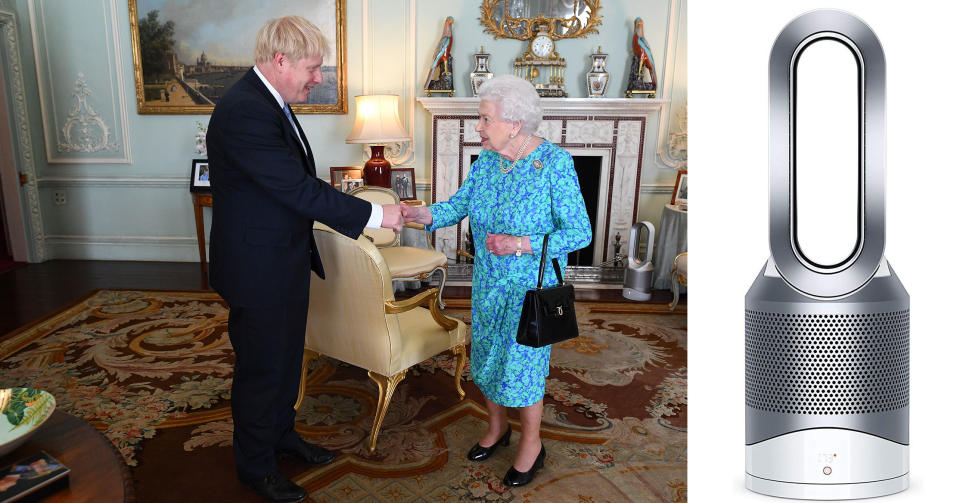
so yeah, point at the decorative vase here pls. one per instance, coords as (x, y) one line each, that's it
(481, 74)
(376, 171)
(598, 77)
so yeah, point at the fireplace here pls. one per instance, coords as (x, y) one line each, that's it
(605, 136)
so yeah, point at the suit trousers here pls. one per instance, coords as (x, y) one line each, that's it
(268, 345)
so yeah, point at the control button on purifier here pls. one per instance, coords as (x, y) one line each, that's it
(827, 470)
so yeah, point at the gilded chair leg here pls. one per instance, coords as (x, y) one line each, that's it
(443, 281)
(308, 355)
(676, 291)
(461, 351)
(387, 386)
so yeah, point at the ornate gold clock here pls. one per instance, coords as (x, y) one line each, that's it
(542, 66)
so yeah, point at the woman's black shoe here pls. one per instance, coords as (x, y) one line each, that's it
(515, 478)
(478, 453)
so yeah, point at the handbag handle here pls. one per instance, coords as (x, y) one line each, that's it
(543, 264)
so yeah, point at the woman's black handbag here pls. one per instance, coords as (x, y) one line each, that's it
(548, 314)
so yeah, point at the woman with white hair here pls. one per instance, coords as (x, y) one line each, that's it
(519, 189)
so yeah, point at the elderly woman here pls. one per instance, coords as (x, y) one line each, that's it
(519, 189)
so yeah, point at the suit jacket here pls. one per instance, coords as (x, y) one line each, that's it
(266, 196)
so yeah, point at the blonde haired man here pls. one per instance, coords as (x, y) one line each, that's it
(267, 196)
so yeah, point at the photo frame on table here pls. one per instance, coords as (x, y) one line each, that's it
(340, 173)
(403, 183)
(200, 176)
(184, 59)
(348, 184)
(680, 189)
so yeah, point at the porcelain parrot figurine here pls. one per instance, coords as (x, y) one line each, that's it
(641, 59)
(439, 77)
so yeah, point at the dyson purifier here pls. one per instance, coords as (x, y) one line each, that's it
(827, 347)
(639, 273)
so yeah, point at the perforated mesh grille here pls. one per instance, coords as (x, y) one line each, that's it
(828, 364)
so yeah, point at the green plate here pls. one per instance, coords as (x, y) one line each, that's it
(22, 411)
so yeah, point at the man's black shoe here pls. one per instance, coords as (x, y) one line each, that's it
(308, 453)
(276, 487)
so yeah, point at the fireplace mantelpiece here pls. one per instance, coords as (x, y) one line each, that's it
(611, 128)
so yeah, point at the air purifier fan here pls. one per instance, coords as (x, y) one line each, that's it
(639, 273)
(827, 347)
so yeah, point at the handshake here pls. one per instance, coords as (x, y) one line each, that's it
(395, 216)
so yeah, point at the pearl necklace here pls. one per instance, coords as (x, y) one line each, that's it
(519, 154)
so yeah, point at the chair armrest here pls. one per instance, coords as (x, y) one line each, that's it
(431, 296)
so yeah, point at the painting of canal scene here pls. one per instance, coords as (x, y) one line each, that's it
(187, 54)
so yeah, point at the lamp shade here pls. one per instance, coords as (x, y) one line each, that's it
(378, 120)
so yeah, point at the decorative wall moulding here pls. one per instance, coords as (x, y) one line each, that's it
(82, 99)
(672, 136)
(85, 131)
(152, 183)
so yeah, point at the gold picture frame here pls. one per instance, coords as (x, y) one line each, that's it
(496, 20)
(177, 88)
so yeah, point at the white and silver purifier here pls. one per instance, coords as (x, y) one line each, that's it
(639, 273)
(827, 347)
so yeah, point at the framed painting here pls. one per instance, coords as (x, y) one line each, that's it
(186, 55)
(401, 179)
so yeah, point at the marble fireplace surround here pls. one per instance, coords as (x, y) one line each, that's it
(612, 128)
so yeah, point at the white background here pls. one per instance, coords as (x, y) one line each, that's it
(728, 56)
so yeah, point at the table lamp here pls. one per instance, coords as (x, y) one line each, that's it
(377, 123)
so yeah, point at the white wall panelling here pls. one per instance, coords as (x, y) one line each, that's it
(673, 120)
(13, 77)
(82, 98)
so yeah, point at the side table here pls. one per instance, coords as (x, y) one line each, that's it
(671, 241)
(201, 199)
(97, 471)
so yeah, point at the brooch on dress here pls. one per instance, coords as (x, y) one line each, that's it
(537, 164)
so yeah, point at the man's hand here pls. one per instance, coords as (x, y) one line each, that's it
(392, 217)
(505, 244)
(417, 214)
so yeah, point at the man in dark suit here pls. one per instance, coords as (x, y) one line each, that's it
(266, 197)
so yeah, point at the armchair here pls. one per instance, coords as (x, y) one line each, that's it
(678, 276)
(406, 263)
(354, 318)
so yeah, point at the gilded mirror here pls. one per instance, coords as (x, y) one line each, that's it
(520, 18)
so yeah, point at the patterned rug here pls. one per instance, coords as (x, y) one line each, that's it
(152, 371)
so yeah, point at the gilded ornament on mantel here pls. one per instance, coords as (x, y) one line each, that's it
(497, 17)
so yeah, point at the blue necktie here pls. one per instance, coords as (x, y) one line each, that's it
(289, 114)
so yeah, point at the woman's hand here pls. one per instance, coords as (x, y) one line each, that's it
(417, 214)
(505, 244)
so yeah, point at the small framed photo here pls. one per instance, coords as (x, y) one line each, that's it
(200, 176)
(348, 184)
(680, 189)
(340, 173)
(403, 183)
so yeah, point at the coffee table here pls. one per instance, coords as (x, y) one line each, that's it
(97, 471)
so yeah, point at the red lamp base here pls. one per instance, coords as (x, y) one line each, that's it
(376, 171)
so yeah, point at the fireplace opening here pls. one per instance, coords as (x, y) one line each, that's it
(588, 175)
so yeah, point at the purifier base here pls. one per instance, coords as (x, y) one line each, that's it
(828, 491)
(633, 294)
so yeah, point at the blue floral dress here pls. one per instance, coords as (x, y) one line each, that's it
(541, 195)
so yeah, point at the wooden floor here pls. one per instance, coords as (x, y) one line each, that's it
(31, 292)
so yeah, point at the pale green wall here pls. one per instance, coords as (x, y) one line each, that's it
(141, 210)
